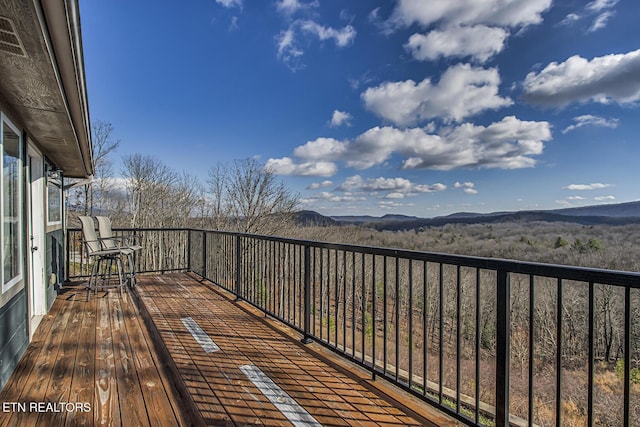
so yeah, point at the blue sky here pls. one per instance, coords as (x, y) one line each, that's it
(419, 107)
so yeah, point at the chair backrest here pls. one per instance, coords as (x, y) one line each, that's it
(106, 232)
(89, 232)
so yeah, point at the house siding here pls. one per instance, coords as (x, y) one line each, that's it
(54, 267)
(14, 337)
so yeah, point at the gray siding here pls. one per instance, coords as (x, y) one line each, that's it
(14, 337)
(54, 268)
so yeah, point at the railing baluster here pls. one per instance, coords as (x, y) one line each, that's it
(385, 300)
(503, 298)
(353, 305)
(441, 334)
(531, 347)
(373, 317)
(478, 337)
(344, 301)
(238, 266)
(425, 338)
(397, 319)
(458, 344)
(627, 355)
(591, 361)
(364, 305)
(204, 254)
(559, 354)
(307, 295)
(410, 331)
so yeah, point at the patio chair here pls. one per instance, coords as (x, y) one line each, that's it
(126, 244)
(103, 257)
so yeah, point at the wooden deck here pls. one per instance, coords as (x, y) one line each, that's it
(132, 361)
(97, 356)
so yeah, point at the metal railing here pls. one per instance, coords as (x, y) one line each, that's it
(488, 341)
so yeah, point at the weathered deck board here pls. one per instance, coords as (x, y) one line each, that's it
(98, 353)
(82, 382)
(327, 393)
(134, 362)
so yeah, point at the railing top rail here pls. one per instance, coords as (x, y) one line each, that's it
(582, 274)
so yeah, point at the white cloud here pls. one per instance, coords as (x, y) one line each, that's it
(601, 21)
(504, 13)
(582, 187)
(340, 118)
(590, 120)
(394, 196)
(479, 42)
(318, 185)
(604, 198)
(234, 24)
(570, 19)
(599, 5)
(230, 3)
(289, 50)
(286, 166)
(507, 144)
(394, 186)
(461, 92)
(331, 197)
(290, 7)
(327, 149)
(605, 79)
(468, 187)
(342, 37)
(576, 198)
(601, 9)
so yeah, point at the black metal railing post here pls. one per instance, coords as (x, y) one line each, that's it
(68, 256)
(189, 250)
(503, 317)
(307, 295)
(204, 254)
(238, 268)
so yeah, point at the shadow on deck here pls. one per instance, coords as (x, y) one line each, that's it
(180, 352)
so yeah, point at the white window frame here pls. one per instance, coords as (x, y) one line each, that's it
(58, 185)
(17, 279)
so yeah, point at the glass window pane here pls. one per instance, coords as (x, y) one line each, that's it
(11, 206)
(54, 202)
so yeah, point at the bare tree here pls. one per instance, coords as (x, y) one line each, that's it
(217, 180)
(95, 195)
(250, 196)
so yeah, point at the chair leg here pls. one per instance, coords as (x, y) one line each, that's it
(93, 276)
(120, 267)
(132, 270)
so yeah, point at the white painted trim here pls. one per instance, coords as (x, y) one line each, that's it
(17, 279)
(36, 235)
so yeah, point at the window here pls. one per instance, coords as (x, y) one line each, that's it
(54, 198)
(11, 205)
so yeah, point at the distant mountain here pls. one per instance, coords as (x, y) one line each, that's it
(614, 214)
(614, 210)
(521, 216)
(313, 218)
(392, 217)
(355, 219)
(362, 219)
(617, 210)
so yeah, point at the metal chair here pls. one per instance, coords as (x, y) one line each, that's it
(102, 257)
(125, 243)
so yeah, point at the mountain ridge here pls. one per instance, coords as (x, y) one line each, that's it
(612, 214)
